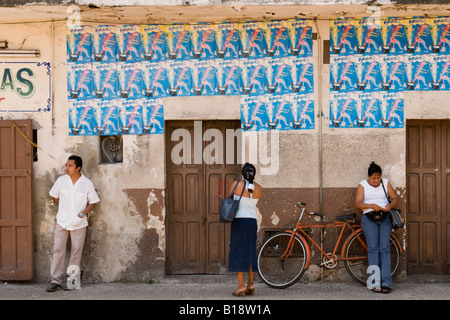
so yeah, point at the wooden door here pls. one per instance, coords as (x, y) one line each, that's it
(197, 179)
(16, 215)
(428, 196)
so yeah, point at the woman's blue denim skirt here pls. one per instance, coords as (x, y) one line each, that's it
(243, 245)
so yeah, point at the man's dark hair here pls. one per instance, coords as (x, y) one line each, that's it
(374, 168)
(78, 161)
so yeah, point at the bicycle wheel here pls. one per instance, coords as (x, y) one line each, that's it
(275, 271)
(357, 267)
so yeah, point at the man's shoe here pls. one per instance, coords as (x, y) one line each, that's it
(53, 287)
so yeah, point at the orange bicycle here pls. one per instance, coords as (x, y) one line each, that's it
(285, 256)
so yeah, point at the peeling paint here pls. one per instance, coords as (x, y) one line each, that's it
(275, 219)
(156, 221)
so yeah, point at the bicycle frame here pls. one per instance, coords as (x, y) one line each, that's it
(303, 236)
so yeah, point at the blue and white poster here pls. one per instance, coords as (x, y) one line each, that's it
(278, 75)
(79, 44)
(392, 69)
(106, 119)
(227, 77)
(253, 77)
(203, 43)
(367, 107)
(253, 113)
(203, 77)
(253, 44)
(278, 113)
(302, 111)
(128, 39)
(152, 116)
(79, 81)
(418, 74)
(343, 76)
(277, 39)
(154, 80)
(342, 37)
(368, 75)
(104, 81)
(130, 116)
(153, 43)
(104, 44)
(392, 108)
(129, 77)
(301, 75)
(81, 118)
(227, 40)
(342, 110)
(440, 71)
(178, 42)
(179, 78)
(300, 37)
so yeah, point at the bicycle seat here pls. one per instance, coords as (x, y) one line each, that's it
(346, 217)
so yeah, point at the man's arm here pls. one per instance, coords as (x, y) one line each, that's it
(86, 211)
(56, 200)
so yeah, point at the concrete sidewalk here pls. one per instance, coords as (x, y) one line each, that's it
(220, 287)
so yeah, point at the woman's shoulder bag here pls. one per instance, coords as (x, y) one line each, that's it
(396, 216)
(229, 206)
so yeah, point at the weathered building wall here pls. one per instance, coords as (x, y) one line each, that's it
(126, 238)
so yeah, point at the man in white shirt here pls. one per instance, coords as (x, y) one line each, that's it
(75, 196)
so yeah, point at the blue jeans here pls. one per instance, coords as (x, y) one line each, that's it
(378, 237)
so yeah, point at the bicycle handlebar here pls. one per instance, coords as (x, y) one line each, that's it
(302, 205)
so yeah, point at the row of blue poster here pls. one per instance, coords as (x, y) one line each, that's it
(367, 110)
(283, 112)
(390, 73)
(190, 78)
(135, 43)
(393, 36)
(113, 117)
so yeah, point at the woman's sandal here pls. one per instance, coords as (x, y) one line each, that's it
(250, 291)
(239, 293)
(376, 290)
(386, 290)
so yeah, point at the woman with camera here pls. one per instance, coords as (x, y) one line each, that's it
(242, 257)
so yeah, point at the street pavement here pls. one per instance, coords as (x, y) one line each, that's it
(220, 287)
(209, 297)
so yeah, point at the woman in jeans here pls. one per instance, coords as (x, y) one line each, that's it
(376, 223)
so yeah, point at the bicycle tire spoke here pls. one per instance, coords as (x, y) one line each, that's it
(280, 272)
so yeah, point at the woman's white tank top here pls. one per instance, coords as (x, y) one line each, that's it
(374, 195)
(247, 206)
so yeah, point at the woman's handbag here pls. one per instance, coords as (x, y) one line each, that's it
(396, 217)
(229, 206)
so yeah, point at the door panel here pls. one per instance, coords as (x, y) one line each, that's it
(427, 171)
(16, 215)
